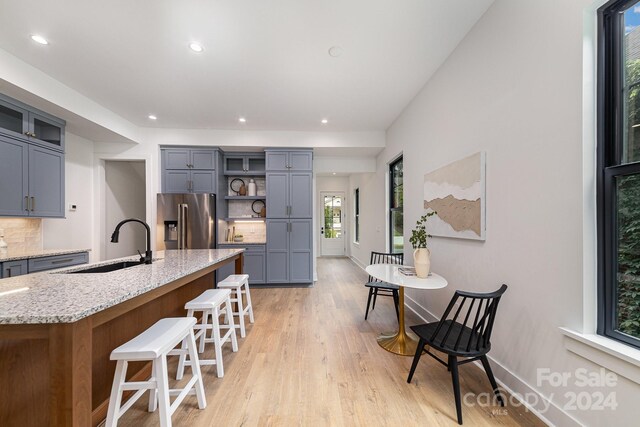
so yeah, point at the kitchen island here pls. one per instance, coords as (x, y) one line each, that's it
(57, 330)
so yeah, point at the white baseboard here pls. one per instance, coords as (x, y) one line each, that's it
(357, 262)
(553, 414)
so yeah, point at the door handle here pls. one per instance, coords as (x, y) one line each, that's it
(182, 226)
(26, 199)
(33, 203)
(321, 230)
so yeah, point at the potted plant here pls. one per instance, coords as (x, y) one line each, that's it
(421, 255)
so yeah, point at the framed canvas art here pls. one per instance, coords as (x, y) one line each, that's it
(457, 193)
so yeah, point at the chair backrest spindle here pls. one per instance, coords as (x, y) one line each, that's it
(455, 333)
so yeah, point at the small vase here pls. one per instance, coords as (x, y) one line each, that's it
(422, 262)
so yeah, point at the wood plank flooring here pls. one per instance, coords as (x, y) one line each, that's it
(312, 360)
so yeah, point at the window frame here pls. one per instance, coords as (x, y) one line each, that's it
(610, 143)
(394, 162)
(356, 215)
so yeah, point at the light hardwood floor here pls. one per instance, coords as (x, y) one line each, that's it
(312, 360)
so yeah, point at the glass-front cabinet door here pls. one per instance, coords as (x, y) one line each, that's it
(46, 130)
(14, 120)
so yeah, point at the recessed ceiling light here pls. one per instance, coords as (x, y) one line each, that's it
(196, 47)
(152, 117)
(39, 39)
(242, 120)
(335, 51)
(325, 121)
(334, 173)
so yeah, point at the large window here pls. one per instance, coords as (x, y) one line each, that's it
(356, 198)
(396, 225)
(619, 171)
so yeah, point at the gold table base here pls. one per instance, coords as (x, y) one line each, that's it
(402, 342)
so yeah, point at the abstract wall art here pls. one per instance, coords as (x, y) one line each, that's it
(457, 193)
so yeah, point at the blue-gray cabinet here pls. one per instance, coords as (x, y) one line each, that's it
(255, 264)
(289, 216)
(280, 159)
(289, 251)
(53, 262)
(31, 180)
(33, 265)
(244, 163)
(189, 169)
(289, 194)
(22, 121)
(13, 268)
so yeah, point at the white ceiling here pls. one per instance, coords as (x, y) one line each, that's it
(266, 60)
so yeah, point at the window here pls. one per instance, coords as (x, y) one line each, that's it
(618, 172)
(396, 227)
(356, 198)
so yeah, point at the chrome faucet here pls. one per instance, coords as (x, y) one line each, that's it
(147, 258)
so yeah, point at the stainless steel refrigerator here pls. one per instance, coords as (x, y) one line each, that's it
(186, 221)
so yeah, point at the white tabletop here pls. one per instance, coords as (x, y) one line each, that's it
(389, 273)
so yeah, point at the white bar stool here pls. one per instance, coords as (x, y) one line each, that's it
(155, 344)
(236, 282)
(210, 302)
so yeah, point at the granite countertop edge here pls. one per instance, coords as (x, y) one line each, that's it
(93, 301)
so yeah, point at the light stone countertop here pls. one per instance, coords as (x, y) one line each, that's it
(55, 297)
(14, 255)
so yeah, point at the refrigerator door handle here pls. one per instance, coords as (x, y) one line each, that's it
(182, 225)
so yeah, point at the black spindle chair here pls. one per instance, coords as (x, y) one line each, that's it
(467, 334)
(377, 287)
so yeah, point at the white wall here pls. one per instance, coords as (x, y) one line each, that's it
(125, 197)
(76, 230)
(512, 88)
(372, 214)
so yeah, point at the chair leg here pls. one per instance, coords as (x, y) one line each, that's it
(375, 297)
(492, 380)
(396, 303)
(240, 311)
(416, 359)
(366, 313)
(195, 369)
(453, 364)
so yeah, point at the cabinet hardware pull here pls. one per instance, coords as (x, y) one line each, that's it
(9, 271)
(26, 199)
(33, 203)
(62, 261)
(33, 134)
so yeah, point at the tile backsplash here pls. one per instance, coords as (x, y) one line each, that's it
(252, 232)
(22, 234)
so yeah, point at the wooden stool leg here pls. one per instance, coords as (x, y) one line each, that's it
(195, 369)
(116, 394)
(164, 406)
(231, 324)
(153, 393)
(249, 305)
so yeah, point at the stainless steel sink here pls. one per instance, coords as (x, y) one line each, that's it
(107, 268)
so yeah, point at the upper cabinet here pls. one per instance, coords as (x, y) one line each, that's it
(244, 164)
(31, 161)
(289, 160)
(189, 169)
(29, 124)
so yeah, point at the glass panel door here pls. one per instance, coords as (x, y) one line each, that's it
(332, 231)
(332, 217)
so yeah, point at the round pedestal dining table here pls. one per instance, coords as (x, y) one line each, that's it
(402, 342)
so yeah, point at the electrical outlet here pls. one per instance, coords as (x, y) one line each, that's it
(72, 207)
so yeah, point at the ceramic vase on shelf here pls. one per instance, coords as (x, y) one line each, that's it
(422, 262)
(251, 189)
